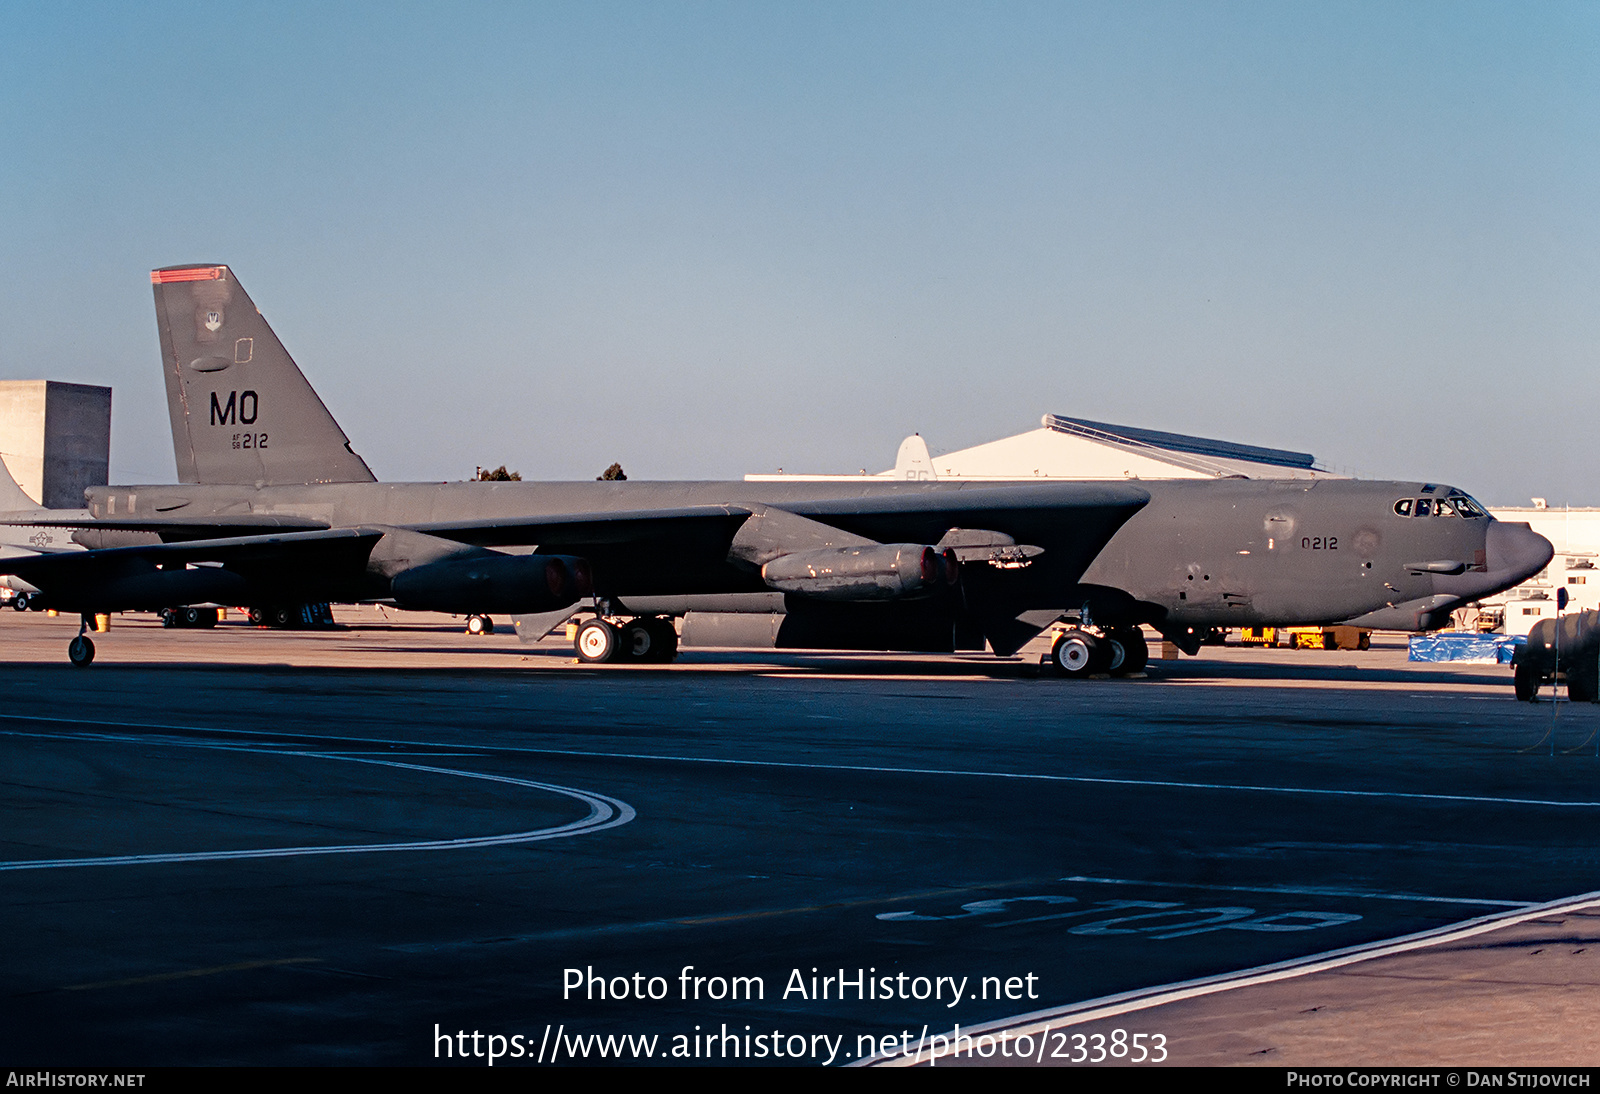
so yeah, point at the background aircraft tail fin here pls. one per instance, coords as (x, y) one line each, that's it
(913, 461)
(13, 498)
(242, 412)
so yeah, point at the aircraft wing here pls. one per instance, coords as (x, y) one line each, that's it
(570, 530)
(169, 529)
(672, 546)
(289, 549)
(668, 551)
(677, 549)
(687, 550)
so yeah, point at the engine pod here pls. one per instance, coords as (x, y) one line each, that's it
(482, 584)
(886, 571)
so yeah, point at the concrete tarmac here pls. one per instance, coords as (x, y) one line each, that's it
(396, 843)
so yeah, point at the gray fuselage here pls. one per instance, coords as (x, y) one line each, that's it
(1198, 554)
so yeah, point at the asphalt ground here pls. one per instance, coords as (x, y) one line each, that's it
(398, 844)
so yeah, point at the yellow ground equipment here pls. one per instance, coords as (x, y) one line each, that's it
(1328, 638)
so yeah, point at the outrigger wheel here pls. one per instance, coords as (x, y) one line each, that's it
(80, 651)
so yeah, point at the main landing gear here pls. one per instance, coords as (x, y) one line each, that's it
(1078, 653)
(646, 640)
(292, 617)
(188, 617)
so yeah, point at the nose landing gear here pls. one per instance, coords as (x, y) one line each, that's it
(80, 651)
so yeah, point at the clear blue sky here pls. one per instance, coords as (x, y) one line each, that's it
(705, 239)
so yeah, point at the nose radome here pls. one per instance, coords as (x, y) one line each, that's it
(1516, 550)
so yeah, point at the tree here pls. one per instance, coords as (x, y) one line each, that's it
(499, 474)
(614, 473)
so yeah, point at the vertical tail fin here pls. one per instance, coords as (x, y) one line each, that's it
(242, 412)
(913, 461)
(12, 497)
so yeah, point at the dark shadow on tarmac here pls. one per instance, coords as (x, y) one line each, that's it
(545, 660)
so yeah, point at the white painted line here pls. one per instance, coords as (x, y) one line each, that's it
(604, 812)
(1394, 795)
(1358, 894)
(1110, 1006)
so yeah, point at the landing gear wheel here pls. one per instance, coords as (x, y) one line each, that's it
(1114, 654)
(20, 602)
(664, 646)
(596, 641)
(480, 624)
(636, 642)
(1135, 651)
(80, 651)
(1583, 684)
(650, 640)
(1077, 654)
(1526, 681)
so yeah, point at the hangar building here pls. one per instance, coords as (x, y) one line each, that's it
(55, 438)
(1575, 534)
(1080, 449)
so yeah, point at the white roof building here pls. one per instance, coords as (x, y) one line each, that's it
(1575, 534)
(1079, 449)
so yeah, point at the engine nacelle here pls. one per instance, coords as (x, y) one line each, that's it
(493, 583)
(889, 571)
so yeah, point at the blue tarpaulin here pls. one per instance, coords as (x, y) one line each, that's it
(1481, 649)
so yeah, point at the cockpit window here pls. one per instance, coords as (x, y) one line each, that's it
(1457, 504)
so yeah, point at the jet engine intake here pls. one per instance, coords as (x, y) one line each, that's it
(483, 584)
(887, 571)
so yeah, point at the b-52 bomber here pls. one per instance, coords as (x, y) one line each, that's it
(273, 506)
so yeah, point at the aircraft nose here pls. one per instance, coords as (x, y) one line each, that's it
(1515, 551)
